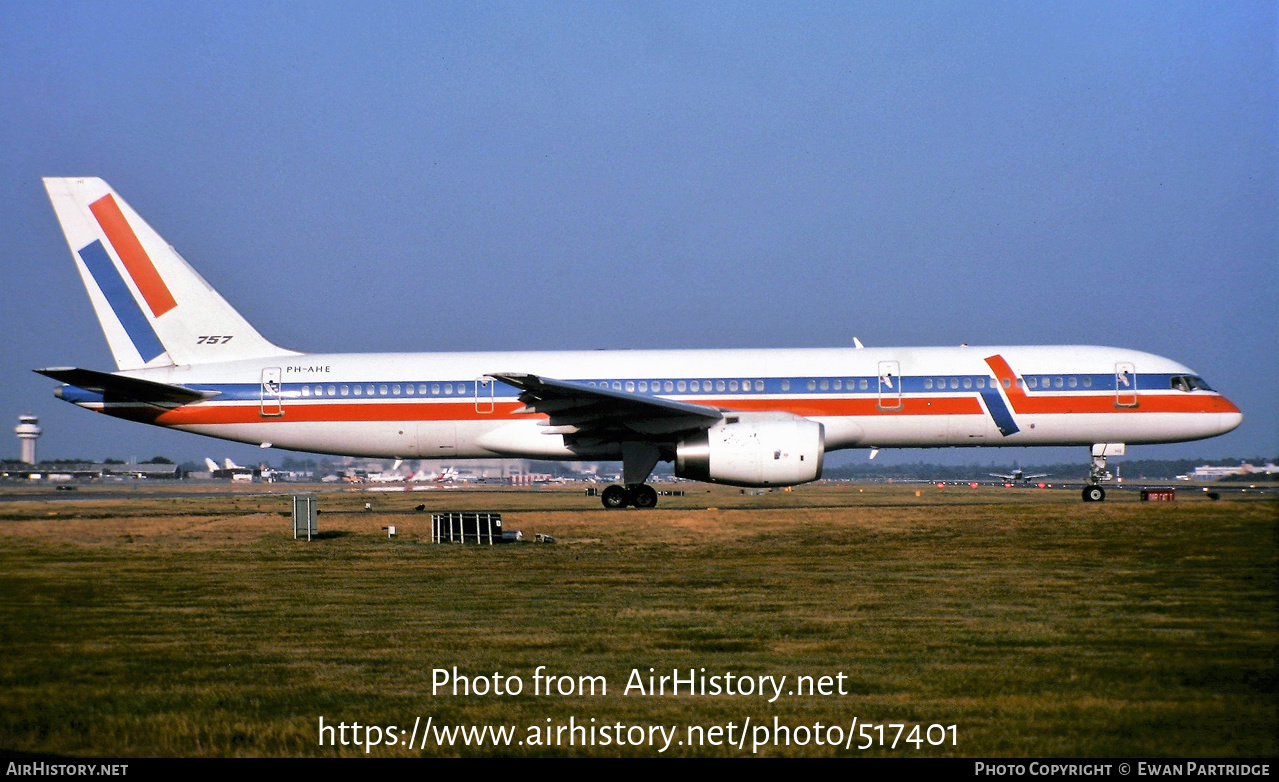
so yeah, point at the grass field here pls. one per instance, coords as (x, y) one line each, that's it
(140, 625)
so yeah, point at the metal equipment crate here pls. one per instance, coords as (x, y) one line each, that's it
(468, 527)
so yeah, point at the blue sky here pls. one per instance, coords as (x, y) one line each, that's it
(490, 176)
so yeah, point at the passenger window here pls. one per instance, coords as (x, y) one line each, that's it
(643, 386)
(617, 385)
(668, 386)
(682, 386)
(1045, 382)
(981, 382)
(332, 390)
(825, 385)
(306, 390)
(448, 389)
(1007, 383)
(732, 385)
(435, 389)
(630, 386)
(812, 385)
(785, 385)
(838, 385)
(968, 382)
(1057, 383)
(1030, 382)
(954, 382)
(1087, 382)
(359, 390)
(928, 384)
(343, 390)
(395, 390)
(1021, 382)
(759, 385)
(1074, 382)
(863, 384)
(408, 389)
(697, 386)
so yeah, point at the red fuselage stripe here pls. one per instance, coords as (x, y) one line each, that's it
(329, 412)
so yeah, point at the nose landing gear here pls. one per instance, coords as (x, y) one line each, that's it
(1097, 472)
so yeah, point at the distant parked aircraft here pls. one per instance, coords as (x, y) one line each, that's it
(228, 470)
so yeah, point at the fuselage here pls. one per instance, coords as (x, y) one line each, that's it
(445, 405)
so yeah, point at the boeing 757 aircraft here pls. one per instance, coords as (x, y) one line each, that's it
(187, 360)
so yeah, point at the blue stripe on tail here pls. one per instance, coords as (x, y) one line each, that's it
(126, 308)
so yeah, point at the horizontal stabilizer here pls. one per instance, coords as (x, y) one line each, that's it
(134, 388)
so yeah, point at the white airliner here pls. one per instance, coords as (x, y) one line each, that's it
(187, 360)
(1017, 475)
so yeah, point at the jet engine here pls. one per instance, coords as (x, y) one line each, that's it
(754, 449)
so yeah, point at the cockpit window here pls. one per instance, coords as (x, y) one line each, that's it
(1189, 383)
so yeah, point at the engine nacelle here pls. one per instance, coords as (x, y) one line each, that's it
(754, 449)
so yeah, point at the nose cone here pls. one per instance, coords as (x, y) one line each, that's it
(1230, 421)
(1228, 416)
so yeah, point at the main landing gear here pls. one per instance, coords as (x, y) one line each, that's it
(638, 461)
(1097, 472)
(641, 496)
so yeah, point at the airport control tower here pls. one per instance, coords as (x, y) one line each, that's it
(28, 430)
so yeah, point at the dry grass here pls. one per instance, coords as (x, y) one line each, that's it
(196, 625)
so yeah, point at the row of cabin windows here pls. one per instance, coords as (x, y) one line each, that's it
(695, 386)
(837, 385)
(1028, 382)
(682, 386)
(383, 389)
(1057, 382)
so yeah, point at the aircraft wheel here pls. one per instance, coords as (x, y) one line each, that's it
(615, 497)
(644, 496)
(1094, 494)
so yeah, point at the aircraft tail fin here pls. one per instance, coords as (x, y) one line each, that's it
(153, 307)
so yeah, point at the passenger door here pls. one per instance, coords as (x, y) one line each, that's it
(1125, 385)
(272, 393)
(890, 386)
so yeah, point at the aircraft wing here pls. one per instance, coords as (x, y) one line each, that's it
(134, 388)
(574, 407)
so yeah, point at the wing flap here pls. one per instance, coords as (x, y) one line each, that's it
(576, 408)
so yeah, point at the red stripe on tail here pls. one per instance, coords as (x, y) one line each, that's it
(135, 259)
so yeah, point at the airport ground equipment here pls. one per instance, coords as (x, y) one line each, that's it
(481, 527)
(305, 511)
